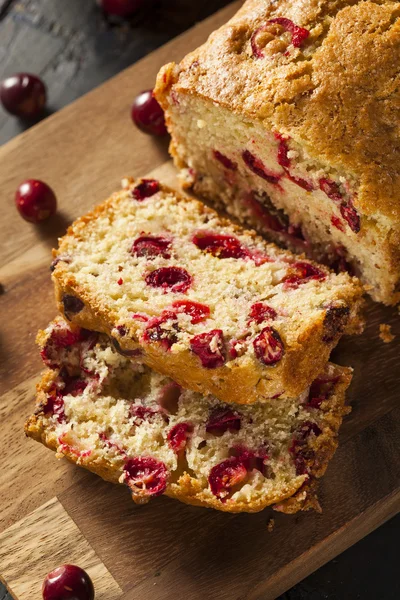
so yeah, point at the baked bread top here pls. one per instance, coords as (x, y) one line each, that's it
(323, 72)
(203, 301)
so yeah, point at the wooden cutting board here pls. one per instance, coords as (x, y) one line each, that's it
(53, 512)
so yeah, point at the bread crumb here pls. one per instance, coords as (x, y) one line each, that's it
(271, 525)
(385, 333)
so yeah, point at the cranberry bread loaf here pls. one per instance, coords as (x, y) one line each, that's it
(204, 302)
(288, 118)
(129, 424)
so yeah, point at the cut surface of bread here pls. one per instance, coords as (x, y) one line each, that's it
(287, 117)
(129, 424)
(201, 300)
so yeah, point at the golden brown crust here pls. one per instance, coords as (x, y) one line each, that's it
(242, 383)
(349, 62)
(187, 489)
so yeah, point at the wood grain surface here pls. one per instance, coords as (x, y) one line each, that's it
(52, 512)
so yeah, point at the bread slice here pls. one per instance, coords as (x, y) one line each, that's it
(129, 424)
(287, 117)
(204, 302)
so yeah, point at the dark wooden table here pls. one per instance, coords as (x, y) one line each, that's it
(74, 48)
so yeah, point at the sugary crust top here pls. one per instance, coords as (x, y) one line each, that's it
(338, 94)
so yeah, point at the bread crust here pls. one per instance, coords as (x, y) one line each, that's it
(244, 382)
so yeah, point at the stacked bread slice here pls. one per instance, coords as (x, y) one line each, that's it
(192, 356)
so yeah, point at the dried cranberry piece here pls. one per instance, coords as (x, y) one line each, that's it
(223, 418)
(168, 398)
(271, 218)
(268, 346)
(198, 312)
(151, 246)
(253, 459)
(221, 246)
(299, 34)
(146, 476)
(72, 304)
(336, 222)
(209, 347)
(257, 166)
(302, 272)
(224, 476)
(335, 321)
(141, 413)
(145, 189)
(162, 329)
(351, 216)
(55, 405)
(74, 386)
(224, 160)
(178, 436)
(174, 279)
(261, 312)
(302, 454)
(331, 189)
(320, 390)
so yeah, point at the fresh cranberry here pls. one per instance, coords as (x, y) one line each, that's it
(303, 183)
(253, 459)
(146, 476)
(301, 453)
(162, 330)
(227, 474)
(209, 347)
(221, 246)
(237, 347)
(55, 405)
(168, 398)
(72, 304)
(320, 390)
(120, 8)
(148, 115)
(336, 222)
(302, 272)
(59, 338)
(198, 312)
(257, 166)
(68, 582)
(23, 95)
(112, 445)
(284, 161)
(177, 436)
(174, 279)
(74, 386)
(151, 246)
(272, 221)
(299, 34)
(335, 321)
(141, 317)
(261, 312)
(141, 413)
(306, 429)
(145, 189)
(221, 419)
(35, 201)
(224, 160)
(351, 216)
(268, 346)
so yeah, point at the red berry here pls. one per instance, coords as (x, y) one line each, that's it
(350, 215)
(68, 582)
(23, 95)
(162, 330)
(266, 219)
(331, 189)
(177, 436)
(55, 405)
(302, 272)
(261, 312)
(197, 311)
(299, 34)
(145, 189)
(320, 390)
(174, 279)
(35, 201)
(146, 476)
(141, 413)
(148, 115)
(209, 347)
(336, 222)
(221, 246)
(257, 166)
(224, 476)
(168, 398)
(221, 419)
(268, 346)
(224, 160)
(120, 8)
(72, 304)
(151, 246)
